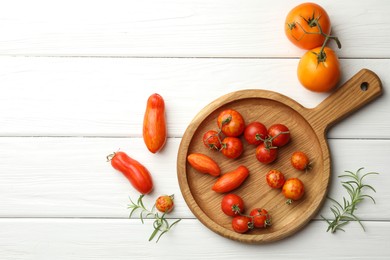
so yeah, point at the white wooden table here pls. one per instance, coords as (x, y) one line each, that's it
(74, 79)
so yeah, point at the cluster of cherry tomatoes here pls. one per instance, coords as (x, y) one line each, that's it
(233, 205)
(308, 27)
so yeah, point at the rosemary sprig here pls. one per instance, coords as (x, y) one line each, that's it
(345, 212)
(161, 225)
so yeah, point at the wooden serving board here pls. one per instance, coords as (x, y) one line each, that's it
(308, 129)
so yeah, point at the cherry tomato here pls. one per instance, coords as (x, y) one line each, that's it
(154, 125)
(231, 122)
(306, 17)
(204, 164)
(134, 171)
(212, 140)
(260, 218)
(231, 180)
(266, 155)
(300, 161)
(255, 133)
(165, 203)
(241, 224)
(232, 147)
(232, 205)
(280, 135)
(275, 179)
(293, 189)
(319, 73)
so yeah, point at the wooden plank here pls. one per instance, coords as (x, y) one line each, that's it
(69, 177)
(101, 97)
(194, 28)
(121, 239)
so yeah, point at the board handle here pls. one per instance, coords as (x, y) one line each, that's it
(358, 91)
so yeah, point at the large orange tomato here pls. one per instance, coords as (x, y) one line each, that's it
(319, 73)
(302, 25)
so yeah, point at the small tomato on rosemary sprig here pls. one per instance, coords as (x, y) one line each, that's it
(161, 224)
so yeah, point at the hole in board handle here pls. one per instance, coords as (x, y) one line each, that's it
(364, 86)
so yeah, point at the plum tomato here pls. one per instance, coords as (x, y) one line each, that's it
(165, 203)
(255, 133)
(232, 205)
(275, 179)
(204, 164)
(265, 154)
(300, 161)
(212, 140)
(231, 122)
(231, 180)
(260, 218)
(293, 189)
(279, 135)
(242, 224)
(232, 147)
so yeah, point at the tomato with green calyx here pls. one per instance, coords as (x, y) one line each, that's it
(232, 205)
(231, 123)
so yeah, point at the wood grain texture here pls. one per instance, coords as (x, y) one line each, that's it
(270, 108)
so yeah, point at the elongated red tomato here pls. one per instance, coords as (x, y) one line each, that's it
(154, 126)
(231, 180)
(134, 171)
(204, 164)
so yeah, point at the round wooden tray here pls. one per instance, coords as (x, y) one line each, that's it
(307, 127)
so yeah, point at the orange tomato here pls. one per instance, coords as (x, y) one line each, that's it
(301, 22)
(231, 180)
(154, 126)
(319, 74)
(203, 164)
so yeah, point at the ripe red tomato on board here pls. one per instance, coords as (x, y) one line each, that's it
(319, 72)
(279, 135)
(212, 140)
(232, 205)
(134, 171)
(203, 164)
(260, 218)
(231, 122)
(241, 224)
(305, 18)
(293, 189)
(165, 203)
(300, 161)
(232, 147)
(266, 155)
(231, 180)
(154, 126)
(275, 179)
(255, 133)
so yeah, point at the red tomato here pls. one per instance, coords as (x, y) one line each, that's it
(165, 203)
(255, 133)
(266, 155)
(293, 189)
(154, 125)
(231, 122)
(275, 179)
(280, 135)
(204, 164)
(212, 140)
(231, 180)
(306, 17)
(300, 161)
(241, 224)
(134, 171)
(232, 205)
(260, 218)
(232, 147)
(319, 73)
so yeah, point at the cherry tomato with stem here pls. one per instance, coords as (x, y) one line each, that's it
(255, 133)
(165, 203)
(275, 179)
(260, 218)
(242, 224)
(133, 170)
(266, 154)
(293, 189)
(279, 135)
(232, 147)
(300, 161)
(212, 140)
(232, 205)
(231, 122)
